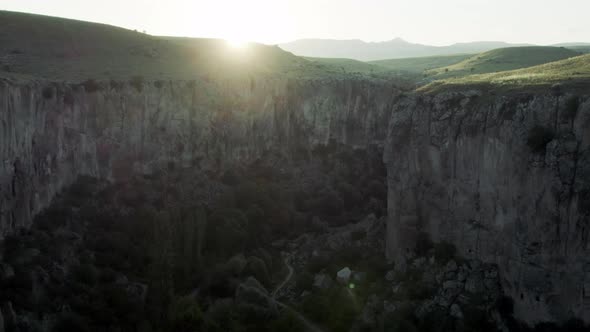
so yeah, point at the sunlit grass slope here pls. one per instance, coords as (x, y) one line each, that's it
(349, 65)
(418, 65)
(64, 49)
(572, 71)
(503, 59)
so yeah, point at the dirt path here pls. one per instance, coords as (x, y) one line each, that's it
(287, 278)
(310, 326)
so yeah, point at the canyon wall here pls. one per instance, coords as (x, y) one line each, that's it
(51, 133)
(505, 178)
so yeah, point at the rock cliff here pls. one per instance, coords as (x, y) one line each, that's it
(506, 178)
(51, 133)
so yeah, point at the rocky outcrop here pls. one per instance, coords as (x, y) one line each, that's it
(50, 133)
(504, 178)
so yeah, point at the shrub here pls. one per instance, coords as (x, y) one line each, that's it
(47, 92)
(436, 320)
(304, 281)
(444, 252)
(137, 82)
(287, 322)
(228, 231)
(477, 320)
(236, 265)
(71, 322)
(546, 327)
(571, 108)
(185, 314)
(327, 203)
(257, 268)
(90, 85)
(335, 308)
(69, 98)
(159, 84)
(505, 306)
(317, 263)
(400, 320)
(115, 85)
(230, 178)
(358, 235)
(556, 89)
(86, 273)
(574, 325)
(423, 244)
(538, 138)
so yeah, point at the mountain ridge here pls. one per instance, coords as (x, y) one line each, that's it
(397, 48)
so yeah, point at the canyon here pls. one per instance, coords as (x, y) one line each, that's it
(504, 176)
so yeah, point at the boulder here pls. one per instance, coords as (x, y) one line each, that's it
(9, 316)
(26, 256)
(322, 281)
(390, 275)
(474, 283)
(236, 264)
(279, 244)
(257, 268)
(456, 311)
(6, 271)
(319, 225)
(253, 299)
(369, 314)
(451, 284)
(419, 262)
(451, 266)
(343, 276)
(137, 290)
(67, 235)
(389, 307)
(359, 277)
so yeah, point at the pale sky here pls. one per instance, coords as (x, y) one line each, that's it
(434, 22)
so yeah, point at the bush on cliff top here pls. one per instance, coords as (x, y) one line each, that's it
(90, 86)
(47, 92)
(538, 138)
(137, 82)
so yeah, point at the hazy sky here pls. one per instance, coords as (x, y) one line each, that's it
(437, 22)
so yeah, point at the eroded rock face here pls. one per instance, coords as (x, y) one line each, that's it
(459, 166)
(467, 168)
(50, 133)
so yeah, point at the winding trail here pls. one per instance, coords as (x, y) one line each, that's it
(287, 278)
(310, 326)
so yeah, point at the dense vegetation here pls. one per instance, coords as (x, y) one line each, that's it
(181, 250)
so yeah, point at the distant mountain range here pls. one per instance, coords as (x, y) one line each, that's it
(393, 49)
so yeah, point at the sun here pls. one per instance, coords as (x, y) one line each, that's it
(241, 22)
(237, 43)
